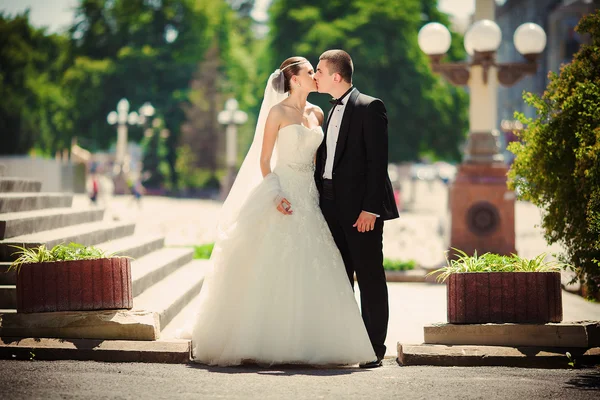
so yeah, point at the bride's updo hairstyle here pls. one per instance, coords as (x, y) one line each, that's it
(288, 68)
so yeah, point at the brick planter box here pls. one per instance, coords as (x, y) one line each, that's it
(500, 297)
(102, 284)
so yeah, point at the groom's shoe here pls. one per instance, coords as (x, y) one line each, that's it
(372, 364)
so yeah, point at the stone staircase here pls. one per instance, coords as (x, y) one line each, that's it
(165, 280)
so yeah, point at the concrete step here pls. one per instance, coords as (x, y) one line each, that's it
(19, 202)
(169, 296)
(7, 278)
(8, 297)
(482, 356)
(133, 246)
(87, 234)
(15, 184)
(584, 334)
(24, 223)
(182, 320)
(156, 266)
(96, 324)
(157, 351)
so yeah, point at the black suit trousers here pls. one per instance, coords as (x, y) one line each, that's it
(363, 254)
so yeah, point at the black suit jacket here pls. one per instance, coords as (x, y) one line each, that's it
(360, 177)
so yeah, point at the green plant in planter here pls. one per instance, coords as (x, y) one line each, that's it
(490, 262)
(60, 252)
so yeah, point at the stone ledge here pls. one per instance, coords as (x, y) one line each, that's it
(481, 356)
(566, 334)
(104, 324)
(169, 352)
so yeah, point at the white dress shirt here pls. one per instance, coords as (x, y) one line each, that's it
(333, 132)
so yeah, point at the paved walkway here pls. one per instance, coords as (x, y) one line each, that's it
(420, 233)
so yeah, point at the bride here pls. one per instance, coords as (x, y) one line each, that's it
(278, 292)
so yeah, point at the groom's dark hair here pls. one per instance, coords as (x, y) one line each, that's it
(339, 62)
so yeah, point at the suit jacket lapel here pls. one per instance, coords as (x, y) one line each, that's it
(345, 127)
(323, 147)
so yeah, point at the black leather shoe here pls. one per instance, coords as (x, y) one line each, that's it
(372, 364)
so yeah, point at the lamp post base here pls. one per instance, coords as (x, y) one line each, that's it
(228, 182)
(482, 210)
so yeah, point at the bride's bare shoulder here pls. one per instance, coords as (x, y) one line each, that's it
(315, 109)
(277, 113)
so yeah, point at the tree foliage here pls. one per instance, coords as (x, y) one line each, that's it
(557, 165)
(426, 114)
(33, 110)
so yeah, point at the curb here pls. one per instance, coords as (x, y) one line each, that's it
(498, 356)
(161, 351)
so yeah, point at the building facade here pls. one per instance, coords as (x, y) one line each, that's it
(558, 18)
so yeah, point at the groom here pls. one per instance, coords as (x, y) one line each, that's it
(355, 191)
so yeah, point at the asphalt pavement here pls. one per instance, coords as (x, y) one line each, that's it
(92, 380)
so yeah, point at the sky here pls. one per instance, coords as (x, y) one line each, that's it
(57, 14)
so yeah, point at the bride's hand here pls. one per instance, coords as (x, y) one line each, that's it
(285, 207)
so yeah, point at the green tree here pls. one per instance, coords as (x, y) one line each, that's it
(557, 165)
(426, 115)
(34, 107)
(150, 51)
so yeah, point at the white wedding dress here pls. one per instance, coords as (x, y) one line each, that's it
(278, 292)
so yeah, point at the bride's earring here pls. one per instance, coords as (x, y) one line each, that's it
(298, 84)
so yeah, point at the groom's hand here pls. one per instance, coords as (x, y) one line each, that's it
(365, 222)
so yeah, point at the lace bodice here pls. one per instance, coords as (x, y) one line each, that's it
(297, 144)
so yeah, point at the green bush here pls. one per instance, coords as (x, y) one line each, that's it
(557, 165)
(398, 265)
(204, 251)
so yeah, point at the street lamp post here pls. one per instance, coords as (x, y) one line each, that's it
(482, 209)
(231, 117)
(122, 117)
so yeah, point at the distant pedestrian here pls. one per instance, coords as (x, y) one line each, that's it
(138, 190)
(95, 189)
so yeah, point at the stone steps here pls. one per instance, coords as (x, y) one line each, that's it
(85, 234)
(24, 223)
(184, 317)
(133, 246)
(13, 184)
(8, 297)
(154, 267)
(20, 202)
(7, 278)
(169, 296)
